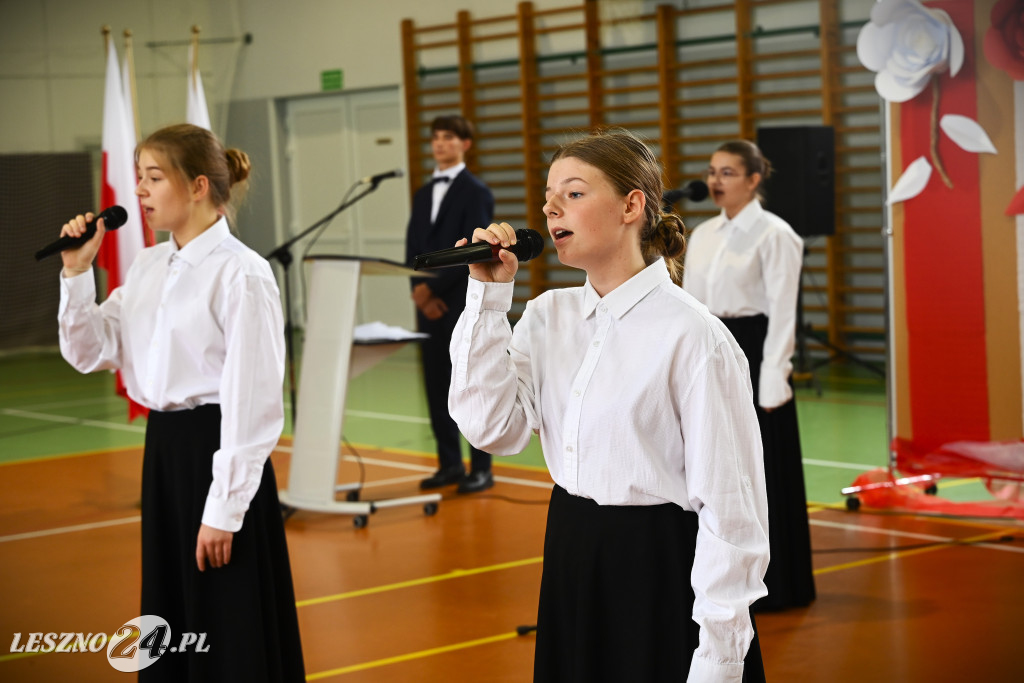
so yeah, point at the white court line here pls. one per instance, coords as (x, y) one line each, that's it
(69, 529)
(841, 465)
(47, 417)
(387, 416)
(73, 420)
(426, 469)
(286, 449)
(68, 404)
(356, 413)
(910, 534)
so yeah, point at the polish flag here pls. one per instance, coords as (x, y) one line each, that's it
(196, 111)
(118, 187)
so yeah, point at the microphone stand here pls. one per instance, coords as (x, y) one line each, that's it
(283, 255)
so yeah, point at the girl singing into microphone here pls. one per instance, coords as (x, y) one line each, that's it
(657, 532)
(197, 332)
(744, 264)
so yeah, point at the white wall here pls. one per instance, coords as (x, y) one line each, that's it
(52, 56)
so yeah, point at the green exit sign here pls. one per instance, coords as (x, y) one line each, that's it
(333, 79)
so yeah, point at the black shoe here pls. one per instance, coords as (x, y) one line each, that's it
(476, 481)
(444, 477)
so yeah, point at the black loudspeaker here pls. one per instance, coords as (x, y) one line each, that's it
(801, 189)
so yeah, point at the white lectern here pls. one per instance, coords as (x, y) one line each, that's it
(330, 359)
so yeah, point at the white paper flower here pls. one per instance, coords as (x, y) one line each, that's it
(966, 133)
(906, 43)
(912, 182)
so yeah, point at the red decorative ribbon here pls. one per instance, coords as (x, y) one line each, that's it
(944, 282)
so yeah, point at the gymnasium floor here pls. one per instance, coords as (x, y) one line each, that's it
(413, 597)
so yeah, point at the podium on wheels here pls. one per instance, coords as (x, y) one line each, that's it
(331, 357)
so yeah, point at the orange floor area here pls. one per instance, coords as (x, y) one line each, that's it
(417, 597)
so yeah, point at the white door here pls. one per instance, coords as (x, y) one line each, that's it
(333, 142)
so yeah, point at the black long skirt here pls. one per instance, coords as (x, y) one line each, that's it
(247, 607)
(790, 575)
(615, 597)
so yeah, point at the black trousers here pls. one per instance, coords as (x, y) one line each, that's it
(437, 377)
(615, 597)
(790, 575)
(247, 607)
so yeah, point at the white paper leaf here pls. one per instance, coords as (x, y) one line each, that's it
(967, 133)
(912, 182)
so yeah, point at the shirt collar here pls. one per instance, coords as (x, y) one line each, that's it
(746, 218)
(203, 244)
(629, 293)
(450, 172)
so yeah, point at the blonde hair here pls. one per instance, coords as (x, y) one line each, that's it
(629, 165)
(192, 151)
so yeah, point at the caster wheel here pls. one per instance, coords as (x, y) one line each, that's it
(853, 503)
(286, 512)
(932, 490)
(430, 509)
(360, 521)
(352, 495)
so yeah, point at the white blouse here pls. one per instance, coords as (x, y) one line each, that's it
(747, 266)
(640, 398)
(189, 327)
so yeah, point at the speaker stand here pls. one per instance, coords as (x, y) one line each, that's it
(804, 369)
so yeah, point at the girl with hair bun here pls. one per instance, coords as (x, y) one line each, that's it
(657, 531)
(744, 264)
(197, 331)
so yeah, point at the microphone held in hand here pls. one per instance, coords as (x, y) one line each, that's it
(528, 246)
(113, 218)
(695, 191)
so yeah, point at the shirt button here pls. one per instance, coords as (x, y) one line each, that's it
(576, 393)
(474, 296)
(568, 449)
(597, 343)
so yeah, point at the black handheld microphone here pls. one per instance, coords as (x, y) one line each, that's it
(375, 179)
(528, 246)
(113, 218)
(695, 191)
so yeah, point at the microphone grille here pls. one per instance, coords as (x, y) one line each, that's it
(114, 217)
(533, 244)
(700, 191)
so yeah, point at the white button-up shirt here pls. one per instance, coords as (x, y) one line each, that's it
(190, 327)
(640, 398)
(747, 266)
(440, 189)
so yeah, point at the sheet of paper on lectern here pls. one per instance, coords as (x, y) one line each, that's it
(379, 332)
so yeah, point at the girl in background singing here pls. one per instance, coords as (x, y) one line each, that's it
(744, 264)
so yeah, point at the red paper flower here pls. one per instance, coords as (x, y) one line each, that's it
(1004, 40)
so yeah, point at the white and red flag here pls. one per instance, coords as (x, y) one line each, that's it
(196, 111)
(118, 187)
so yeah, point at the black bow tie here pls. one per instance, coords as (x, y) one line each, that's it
(442, 179)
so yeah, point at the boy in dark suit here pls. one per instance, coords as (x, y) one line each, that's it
(445, 210)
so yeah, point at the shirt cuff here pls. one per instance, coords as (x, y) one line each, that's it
(223, 515)
(489, 296)
(77, 290)
(774, 389)
(703, 670)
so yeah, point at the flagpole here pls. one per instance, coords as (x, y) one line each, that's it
(129, 56)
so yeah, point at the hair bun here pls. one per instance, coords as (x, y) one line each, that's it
(238, 165)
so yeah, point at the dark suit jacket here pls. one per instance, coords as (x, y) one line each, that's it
(468, 204)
